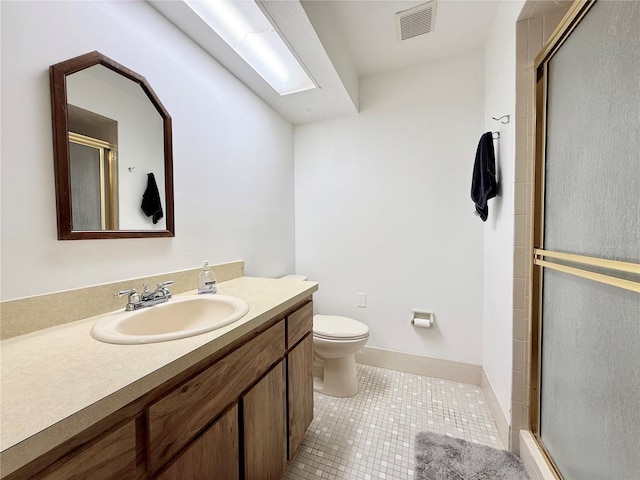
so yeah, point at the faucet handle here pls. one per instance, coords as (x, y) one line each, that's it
(134, 298)
(163, 290)
(122, 293)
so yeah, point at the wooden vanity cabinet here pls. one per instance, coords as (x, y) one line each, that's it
(239, 416)
(274, 412)
(176, 418)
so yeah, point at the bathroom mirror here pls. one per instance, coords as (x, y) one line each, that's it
(112, 152)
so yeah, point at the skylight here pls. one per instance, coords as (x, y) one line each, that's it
(246, 29)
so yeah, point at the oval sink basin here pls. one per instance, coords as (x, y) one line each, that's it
(180, 317)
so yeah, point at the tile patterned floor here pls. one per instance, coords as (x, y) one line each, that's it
(371, 435)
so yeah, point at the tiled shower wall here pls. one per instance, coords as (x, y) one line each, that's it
(531, 35)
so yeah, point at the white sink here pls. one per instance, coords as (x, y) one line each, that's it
(180, 317)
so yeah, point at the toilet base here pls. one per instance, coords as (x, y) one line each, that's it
(340, 378)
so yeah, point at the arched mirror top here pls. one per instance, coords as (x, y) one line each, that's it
(112, 152)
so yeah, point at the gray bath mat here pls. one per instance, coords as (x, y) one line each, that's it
(439, 457)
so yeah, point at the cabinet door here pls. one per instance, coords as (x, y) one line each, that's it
(265, 431)
(213, 455)
(111, 456)
(300, 392)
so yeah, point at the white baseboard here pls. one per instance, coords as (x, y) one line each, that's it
(533, 459)
(501, 421)
(421, 365)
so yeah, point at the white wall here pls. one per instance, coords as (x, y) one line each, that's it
(500, 99)
(383, 207)
(233, 156)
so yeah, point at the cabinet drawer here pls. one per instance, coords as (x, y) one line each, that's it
(177, 417)
(111, 456)
(299, 323)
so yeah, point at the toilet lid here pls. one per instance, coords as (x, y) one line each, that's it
(334, 326)
(293, 277)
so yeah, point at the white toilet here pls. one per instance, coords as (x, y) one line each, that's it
(335, 341)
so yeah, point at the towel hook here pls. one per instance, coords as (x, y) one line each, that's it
(500, 119)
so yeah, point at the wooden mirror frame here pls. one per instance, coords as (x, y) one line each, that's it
(58, 78)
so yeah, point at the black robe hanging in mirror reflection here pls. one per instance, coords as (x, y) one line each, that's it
(151, 205)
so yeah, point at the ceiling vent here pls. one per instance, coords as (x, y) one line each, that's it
(416, 21)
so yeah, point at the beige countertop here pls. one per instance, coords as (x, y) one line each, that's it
(59, 381)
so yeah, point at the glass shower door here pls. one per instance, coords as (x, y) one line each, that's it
(587, 256)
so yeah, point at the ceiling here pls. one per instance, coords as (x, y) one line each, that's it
(340, 41)
(370, 32)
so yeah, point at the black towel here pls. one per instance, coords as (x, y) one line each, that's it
(483, 184)
(151, 200)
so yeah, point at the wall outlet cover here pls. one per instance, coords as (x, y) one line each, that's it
(362, 300)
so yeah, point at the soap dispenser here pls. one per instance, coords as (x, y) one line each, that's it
(206, 279)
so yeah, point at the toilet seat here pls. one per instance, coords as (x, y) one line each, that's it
(334, 327)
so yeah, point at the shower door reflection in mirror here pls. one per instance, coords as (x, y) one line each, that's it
(94, 183)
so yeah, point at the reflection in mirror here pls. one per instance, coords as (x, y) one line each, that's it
(110, 134)
(93, 160)
(94, 184)
(110, 108)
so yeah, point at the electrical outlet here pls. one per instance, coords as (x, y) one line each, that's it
(362, 300)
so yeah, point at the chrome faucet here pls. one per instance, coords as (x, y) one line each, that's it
(136, 301)
(159, 295)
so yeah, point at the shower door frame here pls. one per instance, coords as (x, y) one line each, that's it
(579, 265)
